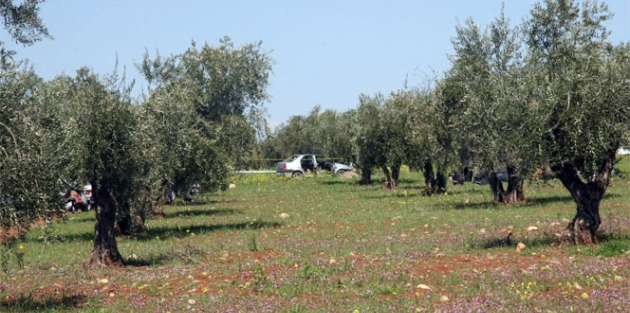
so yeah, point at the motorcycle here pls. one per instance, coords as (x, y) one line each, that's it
(77, 198)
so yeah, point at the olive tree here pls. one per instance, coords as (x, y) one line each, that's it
(495, 90)
(582, 94)
(99, 146)
(368, 142)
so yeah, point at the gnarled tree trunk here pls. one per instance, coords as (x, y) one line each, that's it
(583, 228)
(514, 192)
(429, 178)
(105, 250)
(433, 183)
(366, 176)
(497, 187)
(123, 221)
(396, 173)
(390, 182)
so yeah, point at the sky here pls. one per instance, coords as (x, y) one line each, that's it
(325, 52)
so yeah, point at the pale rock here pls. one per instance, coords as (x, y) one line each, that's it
(284, 215)
(332, 261)
(618, 278)
(532, 228)
(423, 286)
(232, 186)
(444, 299)
(520, 247)
(577, 286)
(103, 281)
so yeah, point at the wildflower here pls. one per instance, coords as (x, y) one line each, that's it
(584, 295)
(205, 289)
(356, 311)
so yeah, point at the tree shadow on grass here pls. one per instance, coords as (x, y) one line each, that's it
(182, 203)
(337, 182)
(532, 202)
(202, 212)
(607, 243)
(168, 232)
(186, 254)
(504, 242)
(29, 303)
(178, 231)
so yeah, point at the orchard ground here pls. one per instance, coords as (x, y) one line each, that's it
(329, 245)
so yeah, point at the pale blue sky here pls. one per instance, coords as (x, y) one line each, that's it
(326, 52)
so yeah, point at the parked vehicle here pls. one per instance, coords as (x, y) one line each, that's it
(193, 193)
(482, 177)
(299, 165)
(190, 194)
(78, 199)
(335, 167)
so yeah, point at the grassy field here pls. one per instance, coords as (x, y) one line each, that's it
(327, 245)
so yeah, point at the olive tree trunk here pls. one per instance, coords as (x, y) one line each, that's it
(105, 251)
(433, 183)
(390, 182)
(582, 230)
(366, 176)
(514, 192)
(396, 172)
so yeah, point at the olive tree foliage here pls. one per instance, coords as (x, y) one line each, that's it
(181, 147)
(23, 24)
(22, 21)
(582, 94)
(224, 85)
(337, 135)
(27, 168)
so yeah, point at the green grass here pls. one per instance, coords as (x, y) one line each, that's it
(344, 247)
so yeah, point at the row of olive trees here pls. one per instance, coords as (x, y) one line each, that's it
(551, 94)
(199, 120)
